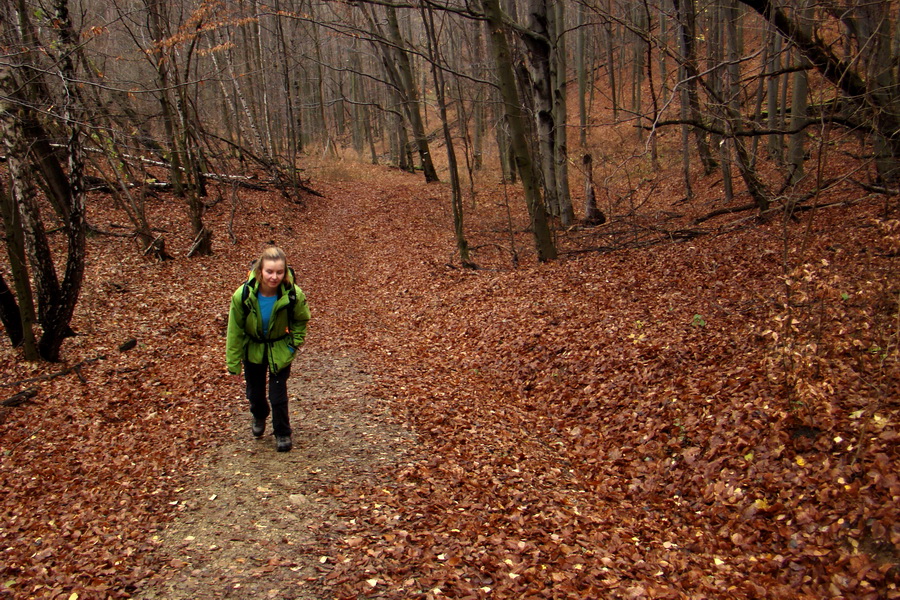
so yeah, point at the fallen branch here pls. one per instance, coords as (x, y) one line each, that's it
(101, 184)
(797, 208)
(96, 230)
(20, 398)
(279, 178)
(676, 234)
(592, 249)
(877, 189)
(723, 211)
(50, 376)
(667, 236)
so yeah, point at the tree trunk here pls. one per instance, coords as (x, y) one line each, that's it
(161, 64)
(18, 318)
(745, 163)
(410, 93)
(29, 155)
(721, 108)
(581, 70)
(180, 123)
(611, 65)
(478, 107)
(261, 66)
(799, 101)
(878, 104)
(663, 56)
(685, 9)
(9, 313)
(546, 250)
(560, 114)
(507, 162)
(760, 97)
(327, 141)
(291, 122)
(637, 68)
(654, 101)
(880, 55)
(773, 106)
(241, 100)
(455, 189)
(358, 126)
(685, 113)
(466, 126)
(592, 214)
(541, 67)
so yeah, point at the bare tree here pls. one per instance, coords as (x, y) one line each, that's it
(799, 101)
(397, 64)
(31, 159)
(546, 249)
(456, 202)
(687, 22)
(17, 316)
(869, 85)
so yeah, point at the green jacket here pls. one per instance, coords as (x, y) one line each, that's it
(245, 339)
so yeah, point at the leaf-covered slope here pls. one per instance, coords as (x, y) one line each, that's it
(706, 418)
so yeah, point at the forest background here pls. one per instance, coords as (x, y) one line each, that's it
(638, 260)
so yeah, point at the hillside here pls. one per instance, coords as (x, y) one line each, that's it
(681, 418)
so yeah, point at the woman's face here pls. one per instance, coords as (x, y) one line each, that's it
(272, 272)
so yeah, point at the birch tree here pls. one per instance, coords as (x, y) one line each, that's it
(546, 249)
(31, 160)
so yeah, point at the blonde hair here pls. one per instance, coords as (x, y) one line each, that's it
(271, 254)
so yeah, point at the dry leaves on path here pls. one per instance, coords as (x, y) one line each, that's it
(715, 414)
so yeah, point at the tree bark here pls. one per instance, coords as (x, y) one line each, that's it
(799, 101)
(775, 144)
(546, 249)
(17, 320)
(611, 65)
(581, 70)
(456, 201)
(541, 68)
(560, 114)
(878, 104)
(291, 121)
(744, 160)
(29, 155)
(157, 34)
(592, 214)
(410, 93)
(719, 106)
(685, 9)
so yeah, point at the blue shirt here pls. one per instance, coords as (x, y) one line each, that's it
(265, 309)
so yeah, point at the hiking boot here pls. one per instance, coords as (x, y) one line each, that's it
(283, 443)
(259, 427)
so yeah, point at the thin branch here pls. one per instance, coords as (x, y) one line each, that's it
(76, 367)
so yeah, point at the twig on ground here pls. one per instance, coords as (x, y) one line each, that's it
(49, 376)
(20, 398)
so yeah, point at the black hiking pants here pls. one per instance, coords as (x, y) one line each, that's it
(255, 376)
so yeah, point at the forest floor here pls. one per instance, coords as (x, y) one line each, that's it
(672, 409)
(255, 523)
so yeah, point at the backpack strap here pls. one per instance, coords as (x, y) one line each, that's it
(292, 296)
(245, 295)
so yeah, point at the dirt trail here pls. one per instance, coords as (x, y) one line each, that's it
(255, 523)
(259, 524)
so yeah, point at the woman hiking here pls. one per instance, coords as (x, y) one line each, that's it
(266, 324)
